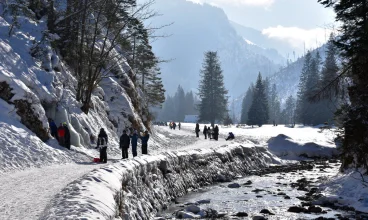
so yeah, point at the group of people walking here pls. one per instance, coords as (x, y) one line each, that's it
(172, 125)
(126, 140)
(61, 133)
(207, 131)
(212, 133)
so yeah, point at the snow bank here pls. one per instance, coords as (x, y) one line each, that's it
(139, 188)
(346, 189)
(287, 148)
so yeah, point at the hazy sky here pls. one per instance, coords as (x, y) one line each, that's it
(294, 21)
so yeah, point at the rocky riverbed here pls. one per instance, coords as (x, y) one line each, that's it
(277, 192)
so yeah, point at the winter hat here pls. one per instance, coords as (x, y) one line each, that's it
(64, 123)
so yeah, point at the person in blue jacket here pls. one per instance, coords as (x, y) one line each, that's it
(145, 139)
(134, 142)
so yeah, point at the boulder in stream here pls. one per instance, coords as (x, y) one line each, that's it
(193, 208)
(234, 185)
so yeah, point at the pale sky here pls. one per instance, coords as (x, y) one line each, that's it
(293, 21)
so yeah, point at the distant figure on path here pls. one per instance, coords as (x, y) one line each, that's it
(179, 125)
(67, 136)
(145, 139)
(197, 130)
(216, 133)
(102, 144)
(209, 132)
(124, 144)
(230, 137)
(205, 132)
(53, 129)
(134, 140)
(174, 125)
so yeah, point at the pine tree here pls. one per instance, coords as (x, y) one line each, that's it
(189, 104)
(353, 43)
(290, 111)
(274, 105)
(329, 100)
(179, 104)
(302, 102)
(258, 112)
(212, 92)
(247, 102)
(312, 115)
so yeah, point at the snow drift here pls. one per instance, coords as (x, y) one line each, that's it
(139, 188)
(287, 148)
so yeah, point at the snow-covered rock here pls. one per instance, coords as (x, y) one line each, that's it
(285, 147)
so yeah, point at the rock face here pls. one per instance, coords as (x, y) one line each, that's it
(25, 111)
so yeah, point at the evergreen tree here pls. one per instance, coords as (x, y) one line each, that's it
(247, 102)
(353, 42)
(289, 113)
(302, 102)
(189, 104)
(179, 104)
(258, 112)
(274, 105)
(312, 112)
(212, 92)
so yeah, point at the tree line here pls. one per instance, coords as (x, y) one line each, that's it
(176, 107)
(261, 103)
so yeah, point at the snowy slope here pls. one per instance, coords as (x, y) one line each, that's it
(36, 85)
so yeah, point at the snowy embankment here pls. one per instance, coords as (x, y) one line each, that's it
(139, 188)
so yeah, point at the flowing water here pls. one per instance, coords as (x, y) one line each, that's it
(276, 192)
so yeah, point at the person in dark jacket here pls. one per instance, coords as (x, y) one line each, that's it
(174, 125)
(179, 125)
(230, 137)
(102, 141)
(145, 139)
(66, 136)
(134, 141)
(53, 129)
(216, 133)
(197, 130)
(124, 144)
(205, 132)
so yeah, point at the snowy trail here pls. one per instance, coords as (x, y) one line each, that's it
(25, 194)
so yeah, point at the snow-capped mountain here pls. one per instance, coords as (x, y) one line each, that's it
(206, 28)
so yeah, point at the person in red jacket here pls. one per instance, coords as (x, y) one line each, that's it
(61, 134)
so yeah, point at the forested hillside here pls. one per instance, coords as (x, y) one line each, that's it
(77, 63)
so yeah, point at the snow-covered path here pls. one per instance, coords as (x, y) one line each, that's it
(25, 194)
